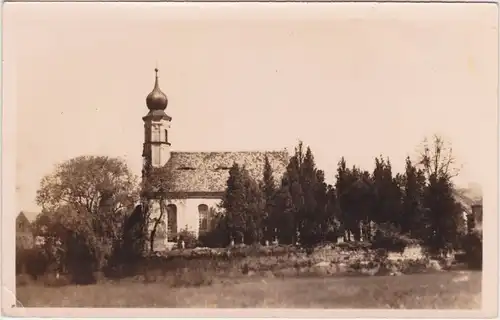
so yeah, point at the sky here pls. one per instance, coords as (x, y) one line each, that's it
(352, 80)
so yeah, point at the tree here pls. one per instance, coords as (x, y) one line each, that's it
(387, 191)
(309, 213)
(322, 201)
(305, 201)
(333, 218)
(89, 197)
(233, 203)
(443, 212)
(157, 184)
(253, 209)
(342, 186)
(284, 213)
(436, 158)
(413, 216)
(269, 193)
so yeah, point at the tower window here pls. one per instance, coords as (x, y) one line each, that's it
(166, 135)
(156, 133)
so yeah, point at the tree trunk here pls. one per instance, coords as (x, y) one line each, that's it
(155, 226)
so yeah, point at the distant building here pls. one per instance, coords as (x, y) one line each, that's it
(470, 207)
(197, 180)
(24, 234)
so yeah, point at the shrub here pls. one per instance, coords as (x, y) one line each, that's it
(189, 238)
(31, 261)
(390, 239)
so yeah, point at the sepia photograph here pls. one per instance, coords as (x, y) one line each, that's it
(314, 156)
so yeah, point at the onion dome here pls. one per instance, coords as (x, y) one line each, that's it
(156, 100)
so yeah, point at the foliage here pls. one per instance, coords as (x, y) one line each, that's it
(244, 205)
(444, 214)
(413, 214)
(188, 238)
(217, 235)
(473, 246)
(387, 192)
(91, 219)
(268, 187)
(436, 158)
(156, 186)
(389, 237)
(84, 201)
(303, 203)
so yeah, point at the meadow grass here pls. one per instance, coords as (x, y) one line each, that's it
(444, 290)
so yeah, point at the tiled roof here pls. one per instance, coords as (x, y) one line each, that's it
(208, 171)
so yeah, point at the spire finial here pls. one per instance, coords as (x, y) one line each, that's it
(157, 85)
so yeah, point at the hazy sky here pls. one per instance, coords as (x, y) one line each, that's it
(353, 80)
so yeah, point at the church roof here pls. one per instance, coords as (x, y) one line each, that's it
(207, 172)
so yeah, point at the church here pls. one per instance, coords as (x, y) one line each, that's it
(196, 180)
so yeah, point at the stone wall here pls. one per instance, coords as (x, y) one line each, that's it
(334, 259)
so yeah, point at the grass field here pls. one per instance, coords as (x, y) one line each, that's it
(447, 290)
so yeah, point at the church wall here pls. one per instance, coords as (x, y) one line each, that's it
(188, 214)
(187, 218)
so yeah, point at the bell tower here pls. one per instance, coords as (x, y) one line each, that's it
(156, 147)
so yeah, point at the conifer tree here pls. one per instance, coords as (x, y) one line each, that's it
(308, 213)
(295, 192)
(388, 204)
(284, 213)
(234, 204)
(412, 218)
(342, 186)
(443, 213)
(253, 209)
(332, 214)
(269, 192)
(322, 215)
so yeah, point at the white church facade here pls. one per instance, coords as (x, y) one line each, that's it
(196, 180)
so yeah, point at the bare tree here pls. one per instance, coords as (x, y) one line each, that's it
(158, 185)
(436, 158)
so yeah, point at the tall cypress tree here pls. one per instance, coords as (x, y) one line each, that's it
(253, 208)
(322, 200)
(412, 219)
(308, 213)
(388, 193)
(342, 186)
(332, 214)
(284, 213)
(233, 203)
(269, 192)
(295, 192)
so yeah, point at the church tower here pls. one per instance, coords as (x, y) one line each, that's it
(156, 148)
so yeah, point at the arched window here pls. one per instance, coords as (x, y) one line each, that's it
(171, 222)
(203, 216)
